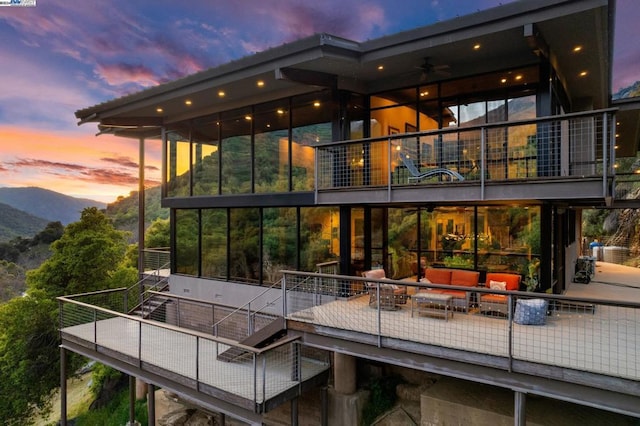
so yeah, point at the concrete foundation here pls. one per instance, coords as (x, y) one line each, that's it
(457, 402)
(346, 409)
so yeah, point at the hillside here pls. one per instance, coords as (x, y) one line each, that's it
(48, 205)
(17, 223)
(124, 211)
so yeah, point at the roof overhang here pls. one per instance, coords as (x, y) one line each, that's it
(512, 35)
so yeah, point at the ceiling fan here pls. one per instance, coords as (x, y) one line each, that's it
(428, 69)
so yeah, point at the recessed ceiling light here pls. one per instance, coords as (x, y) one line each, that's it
(583, 73)
(503, 80)
(159, 110)
(247, 117)
(221, 93)
(577, 49)
(260, 83)
(280, 111)
(316, 104)
(423, 94)
(187, 102)
(518, 77)
(476, 46)
(380, 67)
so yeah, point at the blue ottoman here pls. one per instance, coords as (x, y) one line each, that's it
(530, 311)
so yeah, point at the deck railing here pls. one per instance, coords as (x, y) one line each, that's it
(590, 335)
(156, 259)
(570, 146)
(99, 322)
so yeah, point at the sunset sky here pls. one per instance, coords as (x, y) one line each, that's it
(61, 56)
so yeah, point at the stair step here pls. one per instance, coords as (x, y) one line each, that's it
(261, 338)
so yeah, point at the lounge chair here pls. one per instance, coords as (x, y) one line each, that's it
(390, 294)
(417, 175)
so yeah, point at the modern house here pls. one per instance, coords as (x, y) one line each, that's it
(471, 144)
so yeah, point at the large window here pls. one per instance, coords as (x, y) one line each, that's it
(319, 236)
(271, 152)
(244, 242)
(214, 243)
(187, 231)
(178, 157)
(279, 243)
(205, 156)
(236, 152)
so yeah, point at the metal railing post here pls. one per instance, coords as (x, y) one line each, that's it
(483, 155)
(605, 139)
(379, 315)
(510, 319)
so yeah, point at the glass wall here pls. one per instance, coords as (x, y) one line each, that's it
(214, 243)
(244, 245)
(187, 234)
(310, 123)
(178, 158)
(205, 156)
(319, 236)
(235, 146)
(279, 242)
(271, 147)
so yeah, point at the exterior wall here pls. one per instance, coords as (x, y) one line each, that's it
(231, 294)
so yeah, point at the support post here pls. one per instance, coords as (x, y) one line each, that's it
(294, 411)
(132, 400)
(63, 387)
(324, 408)
(151, 403)
(519, 409)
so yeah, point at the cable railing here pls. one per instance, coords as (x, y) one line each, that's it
(570, 146)
(156, 259)
(590, 335)
(95, 321)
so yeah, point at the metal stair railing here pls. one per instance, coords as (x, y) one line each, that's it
(136, 295)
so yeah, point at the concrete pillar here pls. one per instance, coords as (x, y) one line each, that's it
(344, 373)
(141, 389)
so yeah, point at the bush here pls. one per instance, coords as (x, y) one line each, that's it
(116, 413)
(381, 399)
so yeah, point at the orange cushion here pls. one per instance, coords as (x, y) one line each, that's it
(512, 280)
(438, 276)
(497, 298)
(455, 293)
(465, 278)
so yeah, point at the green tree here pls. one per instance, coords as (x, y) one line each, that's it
(29, 360)
(157, 234)
(83, 259)
(88, 256)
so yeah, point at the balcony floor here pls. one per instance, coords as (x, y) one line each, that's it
(594, 342)
(177, 353)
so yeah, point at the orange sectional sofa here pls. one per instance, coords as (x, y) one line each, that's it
(454, 277)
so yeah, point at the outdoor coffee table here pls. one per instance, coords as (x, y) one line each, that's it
(432, 303)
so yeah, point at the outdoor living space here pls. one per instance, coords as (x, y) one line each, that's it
(579, 333)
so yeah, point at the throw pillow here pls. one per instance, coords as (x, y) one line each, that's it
(497, 285)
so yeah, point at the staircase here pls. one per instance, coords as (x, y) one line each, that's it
(149, 306)
(265, 336)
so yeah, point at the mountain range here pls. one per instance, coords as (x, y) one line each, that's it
(26, 211)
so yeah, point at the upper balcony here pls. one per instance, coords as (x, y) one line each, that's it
(568, 157)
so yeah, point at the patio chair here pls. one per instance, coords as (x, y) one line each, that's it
(498, 303)
(390, 294)
(417, 175)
